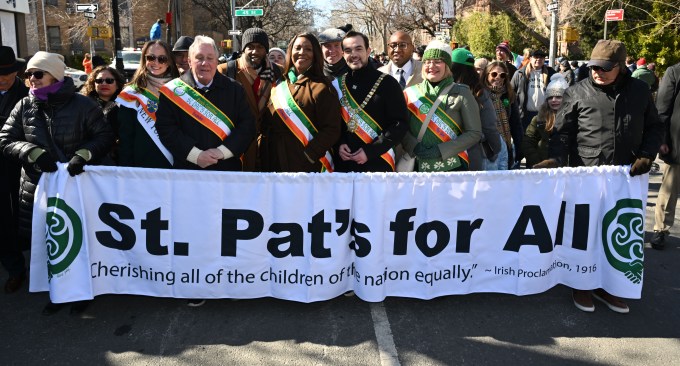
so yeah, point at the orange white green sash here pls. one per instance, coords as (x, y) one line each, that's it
(358, 121)
(442, 126)
(198, 107)
(146, 105)
(297, 121)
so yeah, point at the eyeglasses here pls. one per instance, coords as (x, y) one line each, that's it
(36, 74)
(435, 62)
(107, 80)
(162, 59)
(603, 69)
(400, 45)
(495, 74)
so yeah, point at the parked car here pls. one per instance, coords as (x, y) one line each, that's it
(79, 77)
(131, 59)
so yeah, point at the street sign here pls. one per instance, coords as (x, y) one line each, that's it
(439, 34)
(234, 32)
(613, 15)
(99, 32)
(552, 7)
(90, 15)
(444, 26)
(89, 8)
(249, 12)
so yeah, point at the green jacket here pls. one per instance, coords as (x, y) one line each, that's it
(645, 74)
(535, 142)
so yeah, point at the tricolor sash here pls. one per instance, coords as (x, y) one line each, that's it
(358, 121)
(146, 105)
(297, 121)
(441, 125)
(198, 107)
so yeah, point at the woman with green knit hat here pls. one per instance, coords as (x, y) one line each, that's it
(452, 128)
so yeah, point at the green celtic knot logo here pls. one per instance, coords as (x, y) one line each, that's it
(64, 236)
(623, 238)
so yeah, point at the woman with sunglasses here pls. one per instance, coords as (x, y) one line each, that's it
(495, 78)
(52, 124)
(302, 121)
(464, 72)
(140, 145)
(455, 125)
(103, 85)
(535, 141)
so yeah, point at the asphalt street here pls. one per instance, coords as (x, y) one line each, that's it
(477, 329)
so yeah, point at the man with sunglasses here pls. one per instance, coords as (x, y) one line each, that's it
(607, 119)
(402, 66)
(12, 90)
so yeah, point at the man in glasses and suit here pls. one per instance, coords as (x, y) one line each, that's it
(12, 90)
(607, 119)
(402, 66)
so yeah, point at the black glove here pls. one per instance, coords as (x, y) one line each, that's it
(641, 166)
(427, 152)
(75, 165)
(46, 163)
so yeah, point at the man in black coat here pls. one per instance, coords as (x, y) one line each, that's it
(668, 104)
(220, 126)
(12, 89)
(379, 97)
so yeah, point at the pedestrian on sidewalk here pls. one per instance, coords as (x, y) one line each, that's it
(668, 104)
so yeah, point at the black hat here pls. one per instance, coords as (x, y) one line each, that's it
(539, 54)
(9, 63)
(255, 35)
(182, 44)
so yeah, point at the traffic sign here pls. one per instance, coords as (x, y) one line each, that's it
(89, 8)
(249, 12)
(613, 15)
(234, 32)
(444, 26)
(553, 7)
(90, 15)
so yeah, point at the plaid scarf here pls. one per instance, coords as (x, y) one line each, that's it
(502, 123)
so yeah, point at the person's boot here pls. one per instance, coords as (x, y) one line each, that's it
(658, 240)
(51, 308)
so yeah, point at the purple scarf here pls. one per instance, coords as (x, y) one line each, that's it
(41, 93)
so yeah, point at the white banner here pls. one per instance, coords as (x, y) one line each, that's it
(311, 237)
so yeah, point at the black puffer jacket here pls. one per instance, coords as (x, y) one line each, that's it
(668, 103)
(73, 121)
(606, 125)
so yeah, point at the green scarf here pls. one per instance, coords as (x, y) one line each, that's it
(432, 91)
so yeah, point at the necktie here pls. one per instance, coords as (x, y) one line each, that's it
(402, 81)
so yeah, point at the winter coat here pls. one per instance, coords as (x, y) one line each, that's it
(606, 125)
(646, 75)
(137, 149)
(668, 104)
(180, 133)
(387, 107)
(415, 77)
(520, 84)
(282, 151)
(64, 124)
(535, 142)
(490, 136)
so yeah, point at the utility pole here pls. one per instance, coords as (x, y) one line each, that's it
(553, 9)
(117, 46)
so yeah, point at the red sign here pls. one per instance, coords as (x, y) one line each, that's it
(613, 15)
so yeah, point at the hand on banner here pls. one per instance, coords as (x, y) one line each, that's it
(46, 163)
(360, 157)
(208, 157)
(640, 166)
(546, 164)
(75, 165)
(345, 152)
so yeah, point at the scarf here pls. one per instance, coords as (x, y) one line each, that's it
(260, 80)
(337, 69)
(42, 93)
(153, 83)
(432, 90)
(499, 105)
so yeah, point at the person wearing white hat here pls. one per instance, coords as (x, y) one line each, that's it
(53, 124)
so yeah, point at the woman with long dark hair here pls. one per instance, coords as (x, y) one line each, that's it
(140, 145)
(103, 85)
(302, 122)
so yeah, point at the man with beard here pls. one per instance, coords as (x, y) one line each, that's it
(402, 66)
(373, 109)
(331, 46)
(256, 74)
(12, 89)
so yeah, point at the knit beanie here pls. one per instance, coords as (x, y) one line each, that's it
(556, 87)
(437, 49)
(505, 47)
(463, 57)
(50, 62)
(276, 49)
(255, 35)
(641, 62)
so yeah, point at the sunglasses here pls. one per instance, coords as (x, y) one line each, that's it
(36, 74)
(401, 45)
(495, 74)
(107, 80)
(602, 69)
(161, 59)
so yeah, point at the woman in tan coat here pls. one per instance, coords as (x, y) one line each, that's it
(302, 121)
